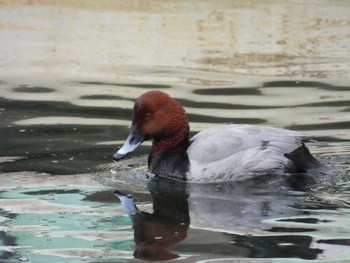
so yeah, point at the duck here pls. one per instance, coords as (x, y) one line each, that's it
(221, 153)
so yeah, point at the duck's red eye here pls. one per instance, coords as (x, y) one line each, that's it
(147, 116)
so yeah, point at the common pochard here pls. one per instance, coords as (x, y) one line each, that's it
(221, 153)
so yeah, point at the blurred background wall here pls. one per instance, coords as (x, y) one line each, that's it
(88, 39)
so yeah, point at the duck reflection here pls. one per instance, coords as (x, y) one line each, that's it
(155, 232)
(230, 207)
(243, 205)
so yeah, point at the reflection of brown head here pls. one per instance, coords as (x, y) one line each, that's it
(153, 253)
(153, 238)
(166, 226)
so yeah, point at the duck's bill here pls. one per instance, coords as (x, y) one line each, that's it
(132, 142)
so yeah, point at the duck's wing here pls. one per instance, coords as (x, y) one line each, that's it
(242, 149)
(219, 142)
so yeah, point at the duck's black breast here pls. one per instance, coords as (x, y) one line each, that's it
(173, 163)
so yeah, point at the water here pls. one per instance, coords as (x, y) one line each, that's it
(68, 82)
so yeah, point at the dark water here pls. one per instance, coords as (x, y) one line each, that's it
(57, 200)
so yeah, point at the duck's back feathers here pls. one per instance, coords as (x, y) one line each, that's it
(239, 151)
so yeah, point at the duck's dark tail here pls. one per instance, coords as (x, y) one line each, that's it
(304, 162)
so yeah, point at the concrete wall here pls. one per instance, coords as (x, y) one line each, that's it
(87, 39)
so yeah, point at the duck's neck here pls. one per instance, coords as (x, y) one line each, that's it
(165, 144)
(175, 141)
(168, 157)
